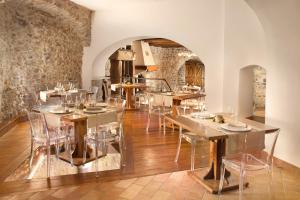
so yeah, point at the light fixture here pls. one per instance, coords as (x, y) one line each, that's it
(124, 55)
(152, 68)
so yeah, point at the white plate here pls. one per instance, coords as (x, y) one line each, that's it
(202, 115)
(60, 111)
(102, 104)
(235, 129)
(94, 111)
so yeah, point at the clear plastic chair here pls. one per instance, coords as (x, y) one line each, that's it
(94, 90)
(159, 109)
(185, 106)
(140, 98)
(116, 129)
(198, 105)
(43, 136)
(101, 135)
(190, 137)
(250, 160)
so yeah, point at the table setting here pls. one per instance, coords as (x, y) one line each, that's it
(230, 125)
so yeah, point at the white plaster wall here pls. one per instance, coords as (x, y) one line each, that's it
(197, 24)
(281, 22)
(244, 46)
(246, 77)
(224, 41)
(268, 36)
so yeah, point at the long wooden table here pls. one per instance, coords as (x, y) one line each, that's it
(210, 178)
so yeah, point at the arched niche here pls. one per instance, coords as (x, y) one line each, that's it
(252, 91)
(192, 72)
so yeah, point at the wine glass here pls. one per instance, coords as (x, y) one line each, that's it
(232, 113)
(68, 99)
(82, 98)
(203, 107)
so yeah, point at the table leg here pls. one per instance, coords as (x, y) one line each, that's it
(130, 104)
(80, 130)
(217, 151)
(210, 179)
(175, 104)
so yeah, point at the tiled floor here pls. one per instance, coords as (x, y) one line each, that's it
(177, 185)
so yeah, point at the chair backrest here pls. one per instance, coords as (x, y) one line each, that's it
(95, 92)
(262, 142)
(179, 110)
(150, 100)
(271, 140)
(38, 125)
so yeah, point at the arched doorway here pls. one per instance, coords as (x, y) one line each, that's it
(192, 72)
(252, 92)
(167, 61)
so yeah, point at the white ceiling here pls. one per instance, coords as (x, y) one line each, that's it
(102, 4)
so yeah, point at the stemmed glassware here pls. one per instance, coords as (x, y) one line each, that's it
(82, 98)
(232, 113)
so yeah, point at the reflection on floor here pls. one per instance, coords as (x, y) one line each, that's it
(172, 186)
(59, 167)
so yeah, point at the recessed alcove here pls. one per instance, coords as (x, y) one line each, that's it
(252, 92)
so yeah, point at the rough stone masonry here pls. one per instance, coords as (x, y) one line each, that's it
(41, 43)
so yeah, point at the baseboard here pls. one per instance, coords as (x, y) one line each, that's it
(7, 125)
(285, 165)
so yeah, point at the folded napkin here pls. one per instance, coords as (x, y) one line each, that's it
(237, 125)
(44, 94)
(73, 91)
(113, 87)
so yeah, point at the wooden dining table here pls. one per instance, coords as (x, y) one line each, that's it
(210, 176)
(178, 97)
(129, 91)
(81, 121)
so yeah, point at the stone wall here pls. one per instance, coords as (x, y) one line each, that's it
(170, 65)
(38, 49)
(259, 87)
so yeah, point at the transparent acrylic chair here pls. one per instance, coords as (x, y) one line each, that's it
(101, 135)
(140, 99)
(116, 129)
(250, 161)
(157, 108)
(190, 137)
(43, 136)
(94, 90)
(185, 106)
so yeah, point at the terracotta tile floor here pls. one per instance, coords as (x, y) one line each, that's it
(177, 185)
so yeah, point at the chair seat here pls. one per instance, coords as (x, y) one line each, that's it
(189, 136)
(251, 163)
(53, 138)
(108, 137)
(161, 110)
(113, 125)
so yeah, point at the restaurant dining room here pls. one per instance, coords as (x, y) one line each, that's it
(149, 99)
